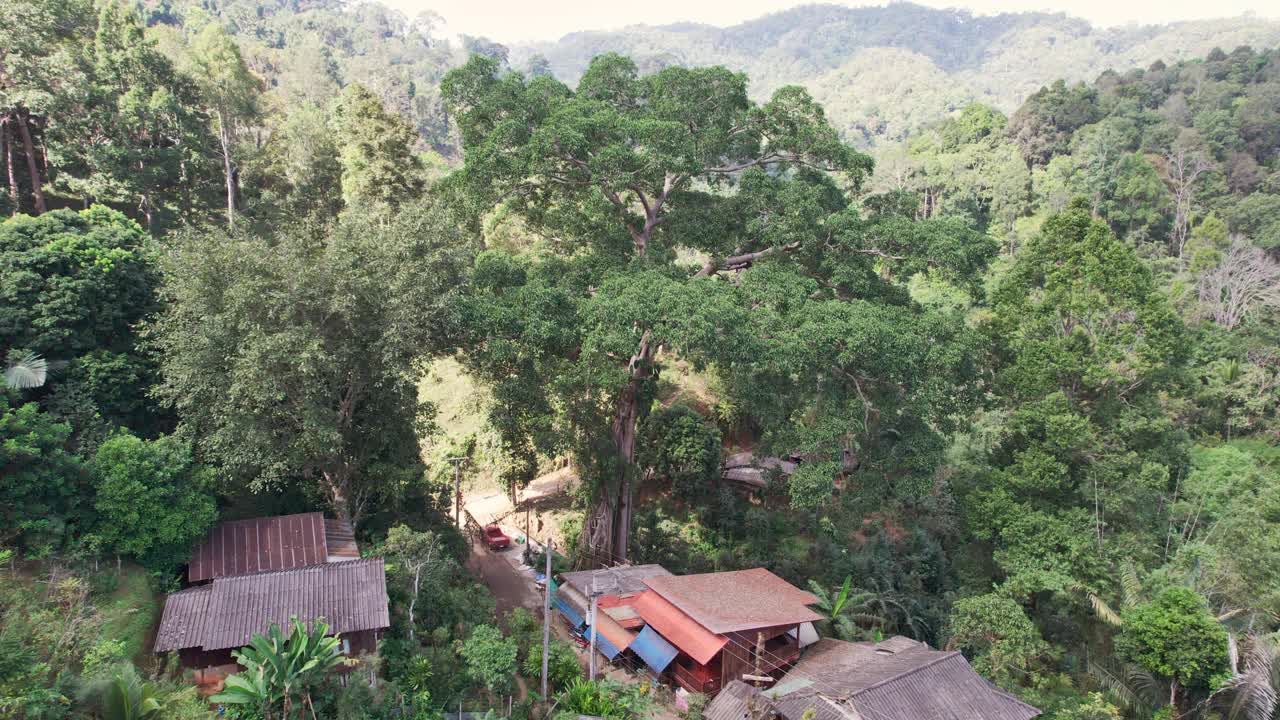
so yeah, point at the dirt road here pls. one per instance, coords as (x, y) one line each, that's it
(506, 576)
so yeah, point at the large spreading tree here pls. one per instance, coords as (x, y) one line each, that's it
(681, 217)
(291, 357)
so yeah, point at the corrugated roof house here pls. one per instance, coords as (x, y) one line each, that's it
(721, 626)
(898, 679)
(616, 618)
(250, 574)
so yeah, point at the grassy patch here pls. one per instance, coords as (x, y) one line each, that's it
(460, 412)
(681, 383)
(459, 402)
(129, 612)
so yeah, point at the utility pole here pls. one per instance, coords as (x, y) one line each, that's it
(546, 618)
(594, 594)
(457, 488)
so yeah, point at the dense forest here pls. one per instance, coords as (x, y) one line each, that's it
(940, 59)
(1022, 367)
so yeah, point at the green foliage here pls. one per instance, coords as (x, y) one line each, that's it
(1175, 636)
(130, 699)
(884, 72)
(103, 656)
(420, 560)
(42, 481)
(280, 669)
(379, 169)
(73, 287)
(152, 499)
(128, 128)
(1088, 343)
(680, 446)
(996, 632)
(491, 658)
(601, 699)
(562, 665)
(697, 706)
(332, 318)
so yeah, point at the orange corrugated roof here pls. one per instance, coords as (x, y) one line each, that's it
(616, 634)
(679, 629)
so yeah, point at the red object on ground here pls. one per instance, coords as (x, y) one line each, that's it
(495, 538)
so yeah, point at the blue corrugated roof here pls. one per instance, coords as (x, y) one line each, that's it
(575, 620)
(654, 649)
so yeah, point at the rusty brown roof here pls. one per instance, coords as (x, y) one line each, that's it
(350, 596)
(237, 547)
(739, 600)
(898, 679)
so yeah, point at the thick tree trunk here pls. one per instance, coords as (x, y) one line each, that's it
(337, 487)
(6, 141)
(608, 528)
(29, 148)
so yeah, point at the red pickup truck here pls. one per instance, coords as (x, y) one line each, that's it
(495, 538)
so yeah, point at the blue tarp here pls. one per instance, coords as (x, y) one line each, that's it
(575, 620)
(654, 649)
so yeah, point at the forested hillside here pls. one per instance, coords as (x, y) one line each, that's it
(1013, 380)
(883, 72)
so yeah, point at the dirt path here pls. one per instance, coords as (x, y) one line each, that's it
(507, 578)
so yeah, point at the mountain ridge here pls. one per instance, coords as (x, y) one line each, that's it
(999, 59)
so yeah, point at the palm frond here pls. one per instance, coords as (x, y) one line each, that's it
(1253, 694)
(26, 372)
(1130, 585)
(1130, 686)
(1104, 611)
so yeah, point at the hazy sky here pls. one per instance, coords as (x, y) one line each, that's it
(515, 21)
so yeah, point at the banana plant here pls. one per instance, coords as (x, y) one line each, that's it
(840, 607)
(128, 698)
(280, 669)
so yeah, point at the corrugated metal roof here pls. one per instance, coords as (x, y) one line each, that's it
(237, 547)
(622, 580)
(654, 649)
(182, 624)
(624, 615)
(340, 541)
(739, 600)
(679, 629)
(740, 701)
(570, 613)
(574, 599)
(349, 596)
(607, 627)
(899, 679)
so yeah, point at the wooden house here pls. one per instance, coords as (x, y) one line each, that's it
(250, 574)
(710, 629)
